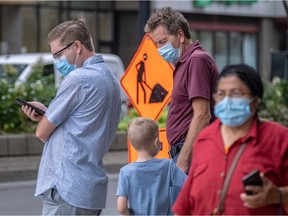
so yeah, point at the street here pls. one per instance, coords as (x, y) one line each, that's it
(17, 198)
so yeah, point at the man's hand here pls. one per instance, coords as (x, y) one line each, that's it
(30, 113)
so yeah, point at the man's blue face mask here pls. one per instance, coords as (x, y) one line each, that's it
(63, 66)
(169, 53)
(233, 112)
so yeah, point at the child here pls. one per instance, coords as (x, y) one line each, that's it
(146, 184)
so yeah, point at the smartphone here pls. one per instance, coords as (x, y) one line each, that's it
(22, 102)
(253, 178)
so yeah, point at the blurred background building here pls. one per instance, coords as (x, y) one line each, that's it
(233, 31)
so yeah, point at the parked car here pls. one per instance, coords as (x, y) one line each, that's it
(23, 63)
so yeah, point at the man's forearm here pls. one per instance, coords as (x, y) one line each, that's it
(196, 125)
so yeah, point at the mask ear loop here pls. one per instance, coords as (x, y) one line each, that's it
(76, 57)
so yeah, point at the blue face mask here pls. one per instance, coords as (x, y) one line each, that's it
(233, 112)
(169, 53)
(63, 66)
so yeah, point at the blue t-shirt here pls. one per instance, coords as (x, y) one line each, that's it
(148, 185)
(86, 113)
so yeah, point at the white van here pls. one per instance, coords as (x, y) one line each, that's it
(23, 63)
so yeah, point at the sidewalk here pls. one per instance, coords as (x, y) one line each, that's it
(22, 168)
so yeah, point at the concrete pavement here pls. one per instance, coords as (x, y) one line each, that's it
(22, 168)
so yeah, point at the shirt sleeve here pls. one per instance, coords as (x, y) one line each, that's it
(122, 185)
(178, 176)
(182, 206)
(65, 102)
(199, 79)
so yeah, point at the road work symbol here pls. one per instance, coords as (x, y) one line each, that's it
(148, 80)
(158, 92)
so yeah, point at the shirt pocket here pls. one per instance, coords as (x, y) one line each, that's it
(199, 170)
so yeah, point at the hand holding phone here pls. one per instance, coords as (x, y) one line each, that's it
(22, 102)
(254, 179)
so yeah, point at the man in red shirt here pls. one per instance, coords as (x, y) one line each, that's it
(193, 82)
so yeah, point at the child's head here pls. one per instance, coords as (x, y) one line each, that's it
(143, 134)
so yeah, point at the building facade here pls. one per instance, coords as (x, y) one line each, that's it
(233, 31)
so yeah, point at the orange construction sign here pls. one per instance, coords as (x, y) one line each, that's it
(163, 153)
(148, 80)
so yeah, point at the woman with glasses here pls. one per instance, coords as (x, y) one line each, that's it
(235, 144)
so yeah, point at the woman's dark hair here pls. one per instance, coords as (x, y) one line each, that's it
(246, 74)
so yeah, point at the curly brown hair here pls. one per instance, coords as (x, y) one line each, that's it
(170, 19)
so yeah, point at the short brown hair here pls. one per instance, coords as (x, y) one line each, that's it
(142, 132)
(70, 31)
(170, 19)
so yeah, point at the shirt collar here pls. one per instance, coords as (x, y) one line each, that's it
(96, 58)
(191, 48)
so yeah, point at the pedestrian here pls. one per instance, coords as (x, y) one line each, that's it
(146, 183)
(235, 144)
(194, 78)
(78, 127)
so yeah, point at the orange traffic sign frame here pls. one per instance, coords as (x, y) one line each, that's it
(148, 80)
(163, 153)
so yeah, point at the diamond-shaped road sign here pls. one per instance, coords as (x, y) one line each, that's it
(148, 80)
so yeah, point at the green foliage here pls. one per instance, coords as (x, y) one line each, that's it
(37, 88)
(275, 102)
(133, 114)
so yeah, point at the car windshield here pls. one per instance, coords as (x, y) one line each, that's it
(11, 71)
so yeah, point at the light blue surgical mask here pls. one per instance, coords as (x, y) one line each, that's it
(233, 112)
(169, 53)
(63, 66)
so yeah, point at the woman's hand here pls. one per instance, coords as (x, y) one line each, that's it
(262, 196)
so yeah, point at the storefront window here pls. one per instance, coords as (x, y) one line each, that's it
(48, 20)
(221, 49)
(235, 44)
(206, 41)
(229, 47)
(250, 50)
(29, 29)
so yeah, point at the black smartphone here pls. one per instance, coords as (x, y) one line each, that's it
(22, 102)
(253, 178)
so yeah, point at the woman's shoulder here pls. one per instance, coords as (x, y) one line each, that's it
(272, 127)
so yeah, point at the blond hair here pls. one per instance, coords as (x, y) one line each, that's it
(70, 31)
(142, 132)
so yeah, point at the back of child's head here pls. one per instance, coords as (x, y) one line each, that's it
(142, 132)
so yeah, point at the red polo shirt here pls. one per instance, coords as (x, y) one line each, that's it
(194, 76)
(266, 150)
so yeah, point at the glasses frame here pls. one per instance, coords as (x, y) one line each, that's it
(218, 96)
(60, 51)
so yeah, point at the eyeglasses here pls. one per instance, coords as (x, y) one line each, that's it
(57, 55)
(220, 95)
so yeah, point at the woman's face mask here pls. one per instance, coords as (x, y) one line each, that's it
(233, 112)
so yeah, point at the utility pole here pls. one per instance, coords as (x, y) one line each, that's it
(285, 4)
(143, 15)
